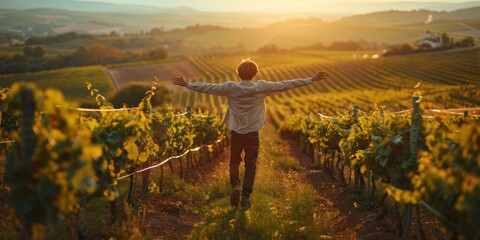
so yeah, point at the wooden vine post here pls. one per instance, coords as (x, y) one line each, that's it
(28, 144)
(357, 175)
(413, 146)
(146, 176)
(145, 179)
(189, 116)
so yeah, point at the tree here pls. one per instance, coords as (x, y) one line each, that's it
(156, 31)
(269, 48)
(467, 42)
(96, 54)
(406, 48)
(446, 40)
(159, 52)
(28, 51)
(39, 52)
(344, 46)
(132, 93)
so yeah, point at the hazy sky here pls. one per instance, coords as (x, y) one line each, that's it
(255, 5)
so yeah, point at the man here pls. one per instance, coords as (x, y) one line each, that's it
(245, 116)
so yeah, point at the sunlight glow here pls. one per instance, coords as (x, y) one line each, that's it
(283, 5)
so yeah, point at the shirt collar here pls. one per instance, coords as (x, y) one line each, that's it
(247, 82)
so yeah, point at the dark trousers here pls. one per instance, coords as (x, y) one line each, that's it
(249, 143)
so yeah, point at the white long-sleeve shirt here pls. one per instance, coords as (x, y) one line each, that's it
(246, 100)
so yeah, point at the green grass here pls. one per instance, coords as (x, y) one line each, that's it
(64, 48)
(281, 209)
(71, 81)
(70, 47)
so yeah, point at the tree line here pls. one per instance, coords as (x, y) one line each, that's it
(349, 45)
(33, 58)
(52, 39)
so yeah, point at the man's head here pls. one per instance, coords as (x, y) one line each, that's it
(247, 69)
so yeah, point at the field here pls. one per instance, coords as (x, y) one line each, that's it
(71, 81)
(148, 73)
(353, 79)
(366, 82)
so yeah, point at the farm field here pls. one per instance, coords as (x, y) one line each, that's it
(353, 80)
(150, 72)
(366, 82)
(71, 81)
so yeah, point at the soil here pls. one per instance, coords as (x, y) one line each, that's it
(166, 218)
(354, 220)
(335, 200)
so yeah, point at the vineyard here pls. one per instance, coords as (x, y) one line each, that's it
(360, 127)
(445, 82)
(62, 158)
(429, 162)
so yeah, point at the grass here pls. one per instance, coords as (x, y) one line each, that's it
(281, 209)
(71, 81)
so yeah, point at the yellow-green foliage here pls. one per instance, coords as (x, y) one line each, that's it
(445, 176)
(48, 186)
(75, 157)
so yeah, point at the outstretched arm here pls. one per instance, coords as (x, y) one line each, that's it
(275, 87)
(320, 76)
(180, 81)
(216, 89)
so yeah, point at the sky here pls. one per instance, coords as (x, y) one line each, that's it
(257, 5)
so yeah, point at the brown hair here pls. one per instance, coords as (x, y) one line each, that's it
(247, 69)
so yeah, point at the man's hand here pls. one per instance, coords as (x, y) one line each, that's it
(320, 76)
(179, 81)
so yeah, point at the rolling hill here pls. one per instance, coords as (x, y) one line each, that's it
(414, 16)
(74, 5)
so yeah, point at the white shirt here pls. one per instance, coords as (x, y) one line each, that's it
(246, 100)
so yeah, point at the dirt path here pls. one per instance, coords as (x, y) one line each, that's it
(170, 217)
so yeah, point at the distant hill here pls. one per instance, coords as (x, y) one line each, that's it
(250, 30)
(73, 5)
(368, 7)
(45, 20)
(415, 16)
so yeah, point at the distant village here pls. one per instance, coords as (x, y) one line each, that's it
(428, 43)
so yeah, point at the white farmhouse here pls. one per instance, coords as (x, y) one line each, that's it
(429, 41)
